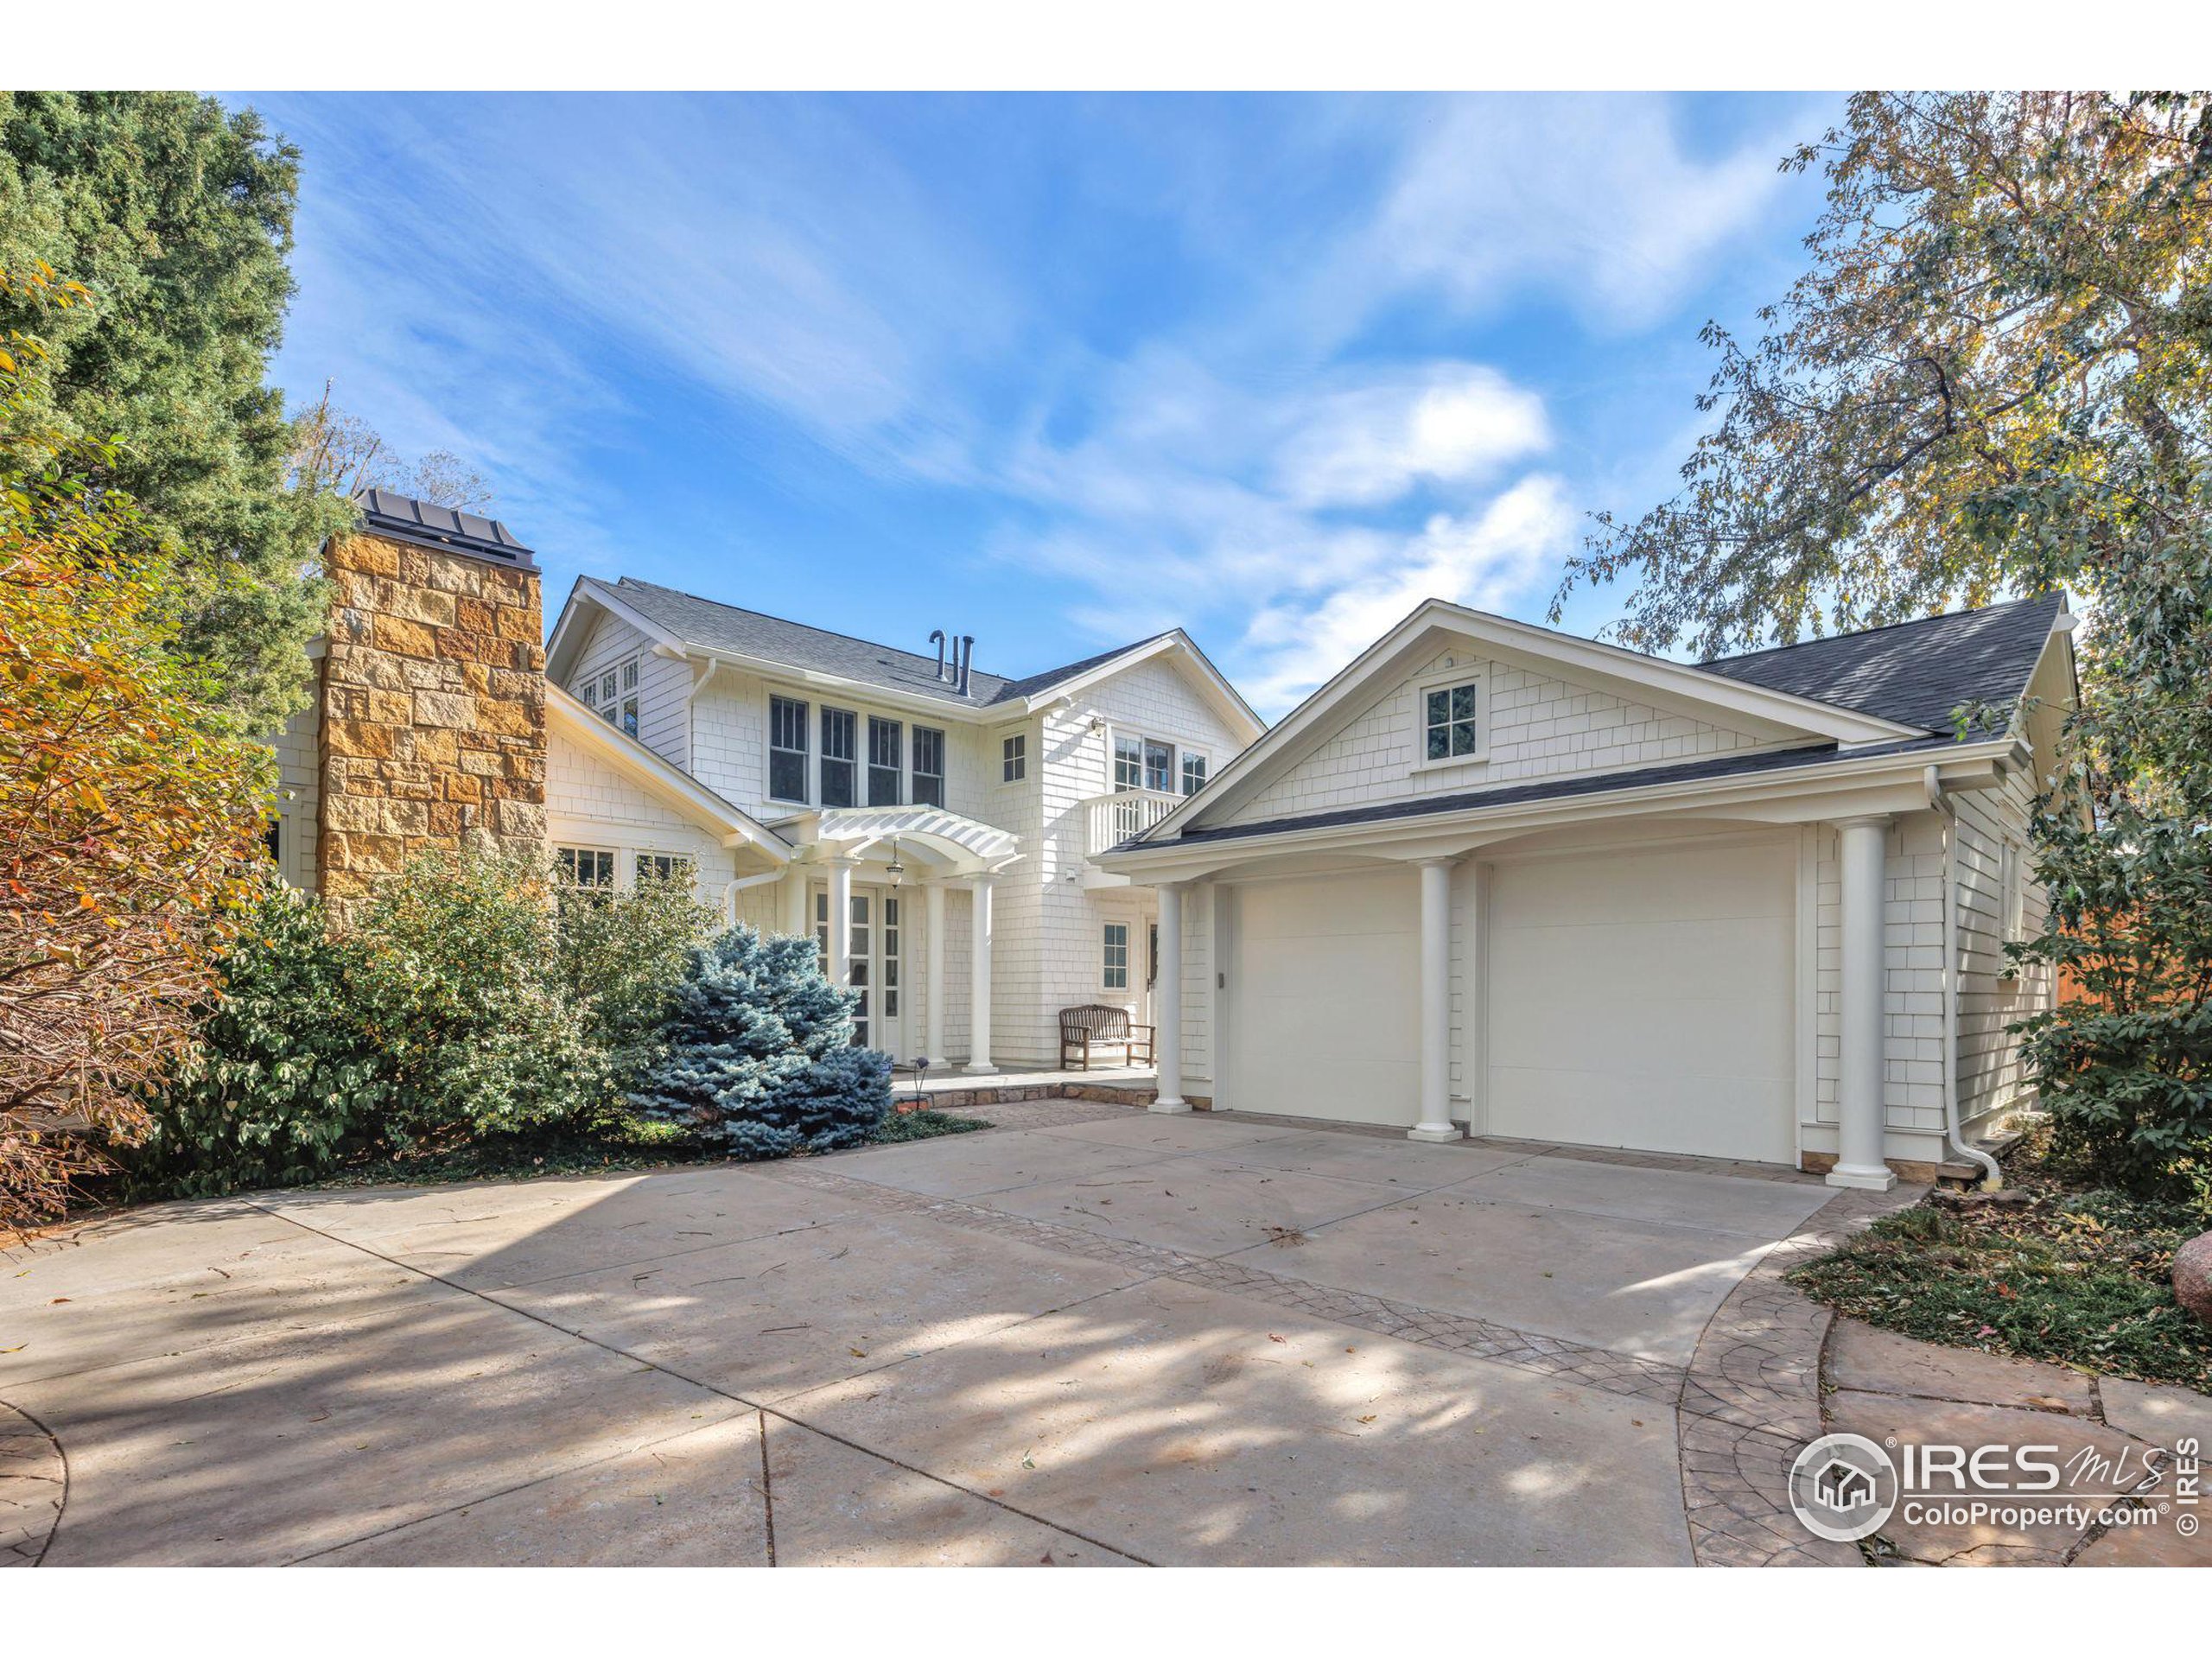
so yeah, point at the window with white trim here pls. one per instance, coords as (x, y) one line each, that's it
(585, 867)
(929, 766)
(786, 749)
(612, 694)
(1194, 771)
(1142, 763)
(1114, 973)
(840, 735)
(1014, 759)
(1451, 717)
(665, 866)
(884, 761)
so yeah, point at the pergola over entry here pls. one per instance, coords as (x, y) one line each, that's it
(932, 847)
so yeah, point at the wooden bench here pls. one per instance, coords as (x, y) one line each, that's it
(1095, 1023)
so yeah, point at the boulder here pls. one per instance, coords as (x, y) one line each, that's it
(2193, 1276)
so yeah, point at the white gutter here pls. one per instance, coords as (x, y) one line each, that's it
(1992, 1177)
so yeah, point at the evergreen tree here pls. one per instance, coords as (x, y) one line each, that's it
(177, 216)
(759, 1053)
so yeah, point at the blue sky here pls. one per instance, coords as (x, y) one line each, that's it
(1055, 371)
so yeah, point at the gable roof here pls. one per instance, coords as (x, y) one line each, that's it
(659, 776)
(686, 619)
(1914, 672)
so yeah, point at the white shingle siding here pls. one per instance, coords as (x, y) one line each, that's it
(588, 804)
(1990, 1076)
(1538, 726)
(664, 683)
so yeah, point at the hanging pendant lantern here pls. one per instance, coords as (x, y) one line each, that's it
(894, 869)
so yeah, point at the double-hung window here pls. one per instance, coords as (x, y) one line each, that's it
(929, 766)
(1448, 722)
(1115, 975)
(1014, 759)
(1194, 772)
(612, 693)
(883, 761)
(786, 749)
(840, 730)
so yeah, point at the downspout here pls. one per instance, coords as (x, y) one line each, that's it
(1992, 1177)
(730, 893)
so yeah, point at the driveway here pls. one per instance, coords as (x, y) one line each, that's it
(1106, 1339)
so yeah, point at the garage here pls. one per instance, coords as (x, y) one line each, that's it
(1643, 999)
(1324, 1014)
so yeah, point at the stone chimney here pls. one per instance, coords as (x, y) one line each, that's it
(432, 694)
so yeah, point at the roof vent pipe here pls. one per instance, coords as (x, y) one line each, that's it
(967, 660)
(936, 638)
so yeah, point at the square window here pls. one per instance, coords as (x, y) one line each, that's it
(1449, 721)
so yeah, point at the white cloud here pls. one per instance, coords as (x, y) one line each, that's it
(1488, 561)
(1456, 423)
(1594, 200)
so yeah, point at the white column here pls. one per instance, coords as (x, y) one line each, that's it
(1435, 1004)
(1862, 844)
(795, 916)
(840, 921)
(1167, 1004)
(979, 971)
(933, 985)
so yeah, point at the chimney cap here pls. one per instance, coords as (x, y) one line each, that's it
(403, 519)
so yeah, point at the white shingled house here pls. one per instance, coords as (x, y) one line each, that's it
(1497, 878)
(935, 827)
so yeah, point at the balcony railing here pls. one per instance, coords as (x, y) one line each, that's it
(1110, 819)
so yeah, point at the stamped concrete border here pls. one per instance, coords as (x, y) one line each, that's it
(1751, 1400)
(34, 1486)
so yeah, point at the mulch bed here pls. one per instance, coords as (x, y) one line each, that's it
(2051, 1269)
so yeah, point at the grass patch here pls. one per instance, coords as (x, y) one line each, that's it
(925, 1125)
(2078, 1275)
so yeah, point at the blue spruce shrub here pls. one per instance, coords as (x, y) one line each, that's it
(758, 1052)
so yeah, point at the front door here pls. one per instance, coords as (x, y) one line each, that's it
(875, 938)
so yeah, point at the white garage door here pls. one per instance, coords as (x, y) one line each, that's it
(1644, 999)
(1324, 1016)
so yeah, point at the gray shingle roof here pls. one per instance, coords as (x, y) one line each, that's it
(1915, 673)
(1726, 765)
(712, 626)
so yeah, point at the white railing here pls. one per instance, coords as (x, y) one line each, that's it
(1110, 819)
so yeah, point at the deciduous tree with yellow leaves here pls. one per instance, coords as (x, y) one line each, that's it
(128, 810)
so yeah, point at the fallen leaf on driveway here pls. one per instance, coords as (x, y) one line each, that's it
(1273, 1338)
(1367, 1419)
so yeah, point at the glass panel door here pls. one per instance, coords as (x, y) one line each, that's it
(863, 944)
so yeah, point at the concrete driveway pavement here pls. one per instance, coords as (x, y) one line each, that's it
(1113, 1338)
